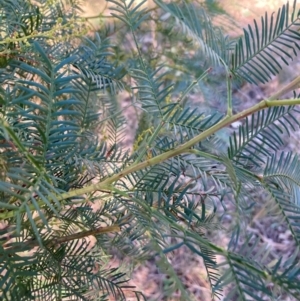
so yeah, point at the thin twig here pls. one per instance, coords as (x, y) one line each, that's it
(16, 247)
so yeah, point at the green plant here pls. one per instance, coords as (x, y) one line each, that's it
(57, 94)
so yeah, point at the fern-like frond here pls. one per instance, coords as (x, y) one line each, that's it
(260, 134)
(195, 23)
(149, 92)
(281, 178)
(51, 121)
(15, 265)
(187, 123)
(260, 53)
(130, 14)
(85, 278)
(250, 273)
(92, 62)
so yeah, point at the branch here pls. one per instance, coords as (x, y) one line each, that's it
(15, 246)
(290, 87)
(107, 183)
(180, 149)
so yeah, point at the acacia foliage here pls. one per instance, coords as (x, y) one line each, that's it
(58, 91)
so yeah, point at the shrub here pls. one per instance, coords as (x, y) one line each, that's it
(71, 197)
